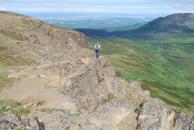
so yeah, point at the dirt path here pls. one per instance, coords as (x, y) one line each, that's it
(35, 87)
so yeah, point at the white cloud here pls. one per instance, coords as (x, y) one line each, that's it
(102, 6)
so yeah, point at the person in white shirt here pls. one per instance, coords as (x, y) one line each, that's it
(97, 48)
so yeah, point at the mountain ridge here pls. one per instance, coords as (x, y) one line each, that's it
(67, 88)
(175, 24)
(169, 24)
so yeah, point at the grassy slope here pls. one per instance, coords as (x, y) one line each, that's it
(9, 61)
(164, 66)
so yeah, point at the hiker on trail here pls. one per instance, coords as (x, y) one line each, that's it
(97, 48)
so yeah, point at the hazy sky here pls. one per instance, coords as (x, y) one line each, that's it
(100, 6)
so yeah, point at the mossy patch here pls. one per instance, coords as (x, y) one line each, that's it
(111, 96)
(18, 129)
(48, 110)
(2, 109)
(13, 106)
(76, 114)
(129, 98)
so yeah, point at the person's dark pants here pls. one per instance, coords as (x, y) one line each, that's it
(97, 53)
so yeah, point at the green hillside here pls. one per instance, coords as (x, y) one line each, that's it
(165, 66)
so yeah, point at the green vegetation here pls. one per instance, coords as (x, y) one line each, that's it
(76, 114)
(2, 109)
(163, 64)
(48, 110)
(15, 107)
(20, 111)
(9, 34)
(8, 58)
(14, 35)
(129, 98)
(18, 129)
(111, 96)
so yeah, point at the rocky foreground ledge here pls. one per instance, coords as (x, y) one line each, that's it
(68, 89)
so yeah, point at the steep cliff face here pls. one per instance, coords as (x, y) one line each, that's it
(68, 89)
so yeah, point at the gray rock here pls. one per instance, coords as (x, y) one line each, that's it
(9, 121)
(157, 115)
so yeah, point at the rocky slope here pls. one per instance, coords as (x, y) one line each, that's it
(65, 88)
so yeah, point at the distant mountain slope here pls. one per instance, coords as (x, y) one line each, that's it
(172, 23)
(182, 23)
(104, 32)
(94, 32)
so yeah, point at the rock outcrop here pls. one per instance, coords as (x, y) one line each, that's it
(68, 89)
